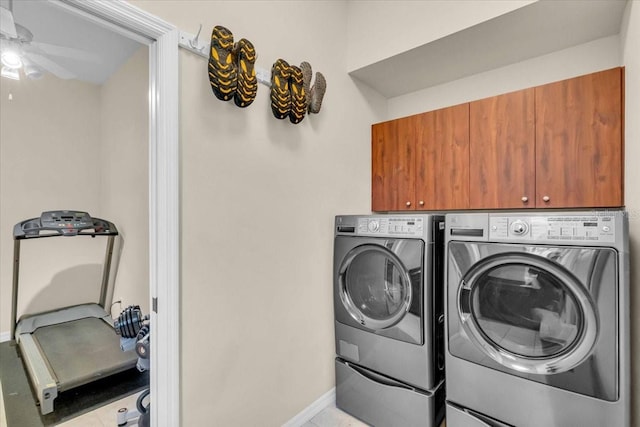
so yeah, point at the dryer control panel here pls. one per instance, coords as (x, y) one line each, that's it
(390, 226)
(596, 228)
(403, 226)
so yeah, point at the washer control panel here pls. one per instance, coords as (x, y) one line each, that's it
(390, 226)
(599, 228)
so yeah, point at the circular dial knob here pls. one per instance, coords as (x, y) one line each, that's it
(373, 225)
(519, 227)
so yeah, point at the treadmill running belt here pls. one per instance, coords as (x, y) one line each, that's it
(82, 351)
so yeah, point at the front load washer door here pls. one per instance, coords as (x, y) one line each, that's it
(540, 312)
(379, 292)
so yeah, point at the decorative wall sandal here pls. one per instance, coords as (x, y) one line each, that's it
(316, 94)
(307, 75)
(298, 95)
(223, 73)
(280, 94)
(247, 82)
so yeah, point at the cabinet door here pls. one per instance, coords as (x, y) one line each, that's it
(579, 142)
(442, 159)
(502, 151)
(392, 165)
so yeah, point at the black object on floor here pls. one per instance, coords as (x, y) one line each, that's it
(20, 405)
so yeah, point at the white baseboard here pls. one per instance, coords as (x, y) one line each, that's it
(5, 336)
(324, 401)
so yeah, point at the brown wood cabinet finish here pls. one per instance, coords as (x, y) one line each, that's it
(421, 162)
(393, 162)
(579, 145)
(558, 145)
(502, 151)
(442, 159)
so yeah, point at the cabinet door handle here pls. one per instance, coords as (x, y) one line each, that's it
(546, 199)
(524, 199)
(408, 204)
(421, 202)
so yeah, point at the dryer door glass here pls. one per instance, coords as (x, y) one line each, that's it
(375, 287)
(525, 310)
(528, 313)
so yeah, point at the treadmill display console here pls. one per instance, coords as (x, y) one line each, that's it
(69, 220)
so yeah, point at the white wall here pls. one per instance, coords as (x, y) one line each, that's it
(258, 200)
(378, 30)
(630, 47)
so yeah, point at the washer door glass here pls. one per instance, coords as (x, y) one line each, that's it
(528, 313)
(374, 286)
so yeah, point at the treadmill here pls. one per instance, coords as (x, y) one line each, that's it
(71, 346)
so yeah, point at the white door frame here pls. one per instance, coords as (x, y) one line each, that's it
(164, 221)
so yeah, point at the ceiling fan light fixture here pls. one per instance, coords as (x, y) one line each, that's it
(10, 73)
(11, 59)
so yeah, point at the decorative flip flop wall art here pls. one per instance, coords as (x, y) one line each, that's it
(233, 75)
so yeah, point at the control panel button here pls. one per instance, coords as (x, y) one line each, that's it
(373, 225)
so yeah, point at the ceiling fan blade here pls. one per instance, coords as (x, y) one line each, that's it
(7, 25)
(51, 67)
(66, 52)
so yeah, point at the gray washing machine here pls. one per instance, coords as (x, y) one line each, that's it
(389, 318)
(537, 319)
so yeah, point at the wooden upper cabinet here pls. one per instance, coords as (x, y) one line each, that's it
(579, 145)
(442, 159)
(502, 151)
(392, 165)
(558, 145)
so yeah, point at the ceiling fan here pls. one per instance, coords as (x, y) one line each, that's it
(18, 51)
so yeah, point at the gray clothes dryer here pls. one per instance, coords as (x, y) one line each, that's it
(537, 319)
(389, 318)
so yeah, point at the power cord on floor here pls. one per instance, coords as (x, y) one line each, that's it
(114, 303)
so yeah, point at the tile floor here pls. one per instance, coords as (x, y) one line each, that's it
(106, 416)
(101, 417)
(334, 417)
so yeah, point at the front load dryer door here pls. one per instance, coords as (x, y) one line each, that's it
(544, 313)
(528, 313)
(379, 292)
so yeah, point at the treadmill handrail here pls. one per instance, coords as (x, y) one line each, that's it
(31, 229)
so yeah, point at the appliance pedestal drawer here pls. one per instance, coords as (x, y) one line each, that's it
(381, 401)
(461, 417)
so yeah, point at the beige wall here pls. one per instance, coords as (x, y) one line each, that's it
(258, 200)
(600, 54)
(124, 186)
(630, 42)
(52, 156)
(47, 161)
(378, 30)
